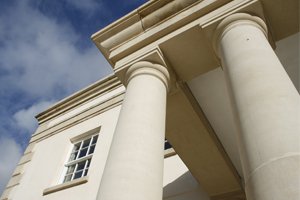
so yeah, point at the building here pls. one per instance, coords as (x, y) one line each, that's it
(201, 73)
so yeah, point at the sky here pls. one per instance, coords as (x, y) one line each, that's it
(46, 54)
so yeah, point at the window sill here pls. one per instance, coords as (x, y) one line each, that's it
(65, 185)
(169, 152)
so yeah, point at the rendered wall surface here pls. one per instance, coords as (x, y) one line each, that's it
(46, 168)
(179, 183)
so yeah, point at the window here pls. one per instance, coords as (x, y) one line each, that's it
(169, 151)
(167, 145)
(80, 158)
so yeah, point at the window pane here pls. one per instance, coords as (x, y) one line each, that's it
(76, 147)
(73, 156)
(85, 172)
(86, 143)
(67, 178)
(82, 153)
(88, 164)
(167, 145)
(92, 148)
(78, 174)
(95, 138)
(80, 165)
(71, 169)
(80, 159)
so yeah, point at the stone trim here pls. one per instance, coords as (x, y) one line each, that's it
(26, 158)
(132, 32)
(144, 67)
(29, 148)
(169, 152)
(65, 185)
(94, 111)
(6, 193)
(14, 181)
(18, 170)
(99, 88)
(141, 19)
(86, 134)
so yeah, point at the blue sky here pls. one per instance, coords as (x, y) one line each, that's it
(45, 55)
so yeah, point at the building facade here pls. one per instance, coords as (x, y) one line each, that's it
(218, 79)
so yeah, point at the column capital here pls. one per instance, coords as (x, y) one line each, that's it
(145, 67)
(234, 20)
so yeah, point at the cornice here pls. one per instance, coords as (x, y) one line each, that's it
(45, 131)
(79, 98)
(139, 20)
(138, 25)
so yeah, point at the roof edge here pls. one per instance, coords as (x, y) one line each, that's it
(79, 98)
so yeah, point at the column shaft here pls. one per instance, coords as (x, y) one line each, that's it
(134, 169)
(267, 107)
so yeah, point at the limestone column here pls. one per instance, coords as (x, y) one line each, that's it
(266, 106)
(134, 169)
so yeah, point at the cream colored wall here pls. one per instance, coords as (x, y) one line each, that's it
(86, 106)
(45, 169)
(179, 183)
(210, 90)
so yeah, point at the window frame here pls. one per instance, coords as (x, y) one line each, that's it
(77, 160)
(169, 151)
(87, 158)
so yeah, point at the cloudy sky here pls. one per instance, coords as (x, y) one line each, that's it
(45, 55)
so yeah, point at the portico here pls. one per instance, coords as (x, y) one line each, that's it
(156, 51)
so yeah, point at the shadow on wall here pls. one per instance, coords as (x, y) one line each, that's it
(185, 187)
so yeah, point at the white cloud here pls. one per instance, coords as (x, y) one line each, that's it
(39, 59)
(42, 56)
(10, 155)
(25, 118)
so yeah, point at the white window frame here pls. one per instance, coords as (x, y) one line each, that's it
(168, 152)
(78, 160)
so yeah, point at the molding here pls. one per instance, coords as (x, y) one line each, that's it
(6, 193)
(169, 152)
(144, 67)
(234, 20)
(29, 148)
(152, 56)
(148, 23)
(92, 91)
(137, 22)
(18, 170)
(65, 185)
(14, 181)
(83, 116)
(86, 134)
(25, 158)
